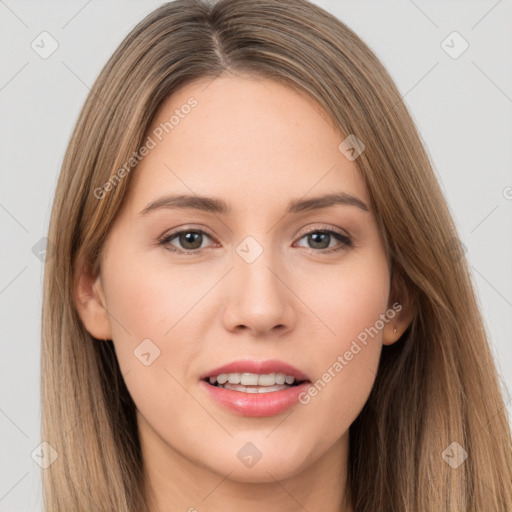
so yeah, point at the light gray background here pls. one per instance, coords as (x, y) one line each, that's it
(462, 106)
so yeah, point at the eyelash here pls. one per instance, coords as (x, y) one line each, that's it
(347, 241)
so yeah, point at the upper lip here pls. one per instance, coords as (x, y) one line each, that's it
(260, 367)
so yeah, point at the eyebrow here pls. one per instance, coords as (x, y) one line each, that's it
(218, 206)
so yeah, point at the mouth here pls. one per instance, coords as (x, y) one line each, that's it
(254, 400)
(254, 383)
(255, 388)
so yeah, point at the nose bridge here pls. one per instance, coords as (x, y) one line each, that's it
(258, 298)
(256, 266)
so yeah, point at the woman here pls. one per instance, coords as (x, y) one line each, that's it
(321, 347)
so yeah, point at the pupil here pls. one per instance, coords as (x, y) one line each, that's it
(320, 240)
(189, 238)
(315, 236)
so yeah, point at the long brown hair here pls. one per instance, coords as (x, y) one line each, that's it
(436, 386)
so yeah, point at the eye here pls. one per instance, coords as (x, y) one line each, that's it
(322, 238)
(189, 239)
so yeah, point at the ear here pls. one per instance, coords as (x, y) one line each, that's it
(90, 301)
(403, 303)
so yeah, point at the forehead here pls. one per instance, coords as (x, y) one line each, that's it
(250, 140)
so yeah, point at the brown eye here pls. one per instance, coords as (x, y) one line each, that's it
(189, 240)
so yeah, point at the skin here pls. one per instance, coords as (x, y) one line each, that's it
(257, 144)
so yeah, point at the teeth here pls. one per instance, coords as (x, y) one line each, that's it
(249, 379)
(253, 379)
(280, 378)
(267, 380)
(255, 389)
(222, 378)
(234, 378)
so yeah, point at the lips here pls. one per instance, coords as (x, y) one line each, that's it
(268, 400)
(259, 367)
(255, 405)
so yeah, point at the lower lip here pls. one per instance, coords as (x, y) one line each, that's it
(256, 404)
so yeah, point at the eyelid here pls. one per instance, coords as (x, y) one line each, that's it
(345, 239)
(325, 228)
(314, 228)
(174, 232)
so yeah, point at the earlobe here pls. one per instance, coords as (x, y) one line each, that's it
(396, 327)
(91, 303)
(404, 310)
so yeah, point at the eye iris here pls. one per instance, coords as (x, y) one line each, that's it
(191, 237)
(314, 237)
(192, 240)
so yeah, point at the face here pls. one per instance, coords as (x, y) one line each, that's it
(184, 290)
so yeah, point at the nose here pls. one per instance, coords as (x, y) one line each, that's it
(259, 299)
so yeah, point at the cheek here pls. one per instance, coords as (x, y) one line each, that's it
(148, 301)
(161, 303)
(149, 325)
(347, 354)
(144, 305)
